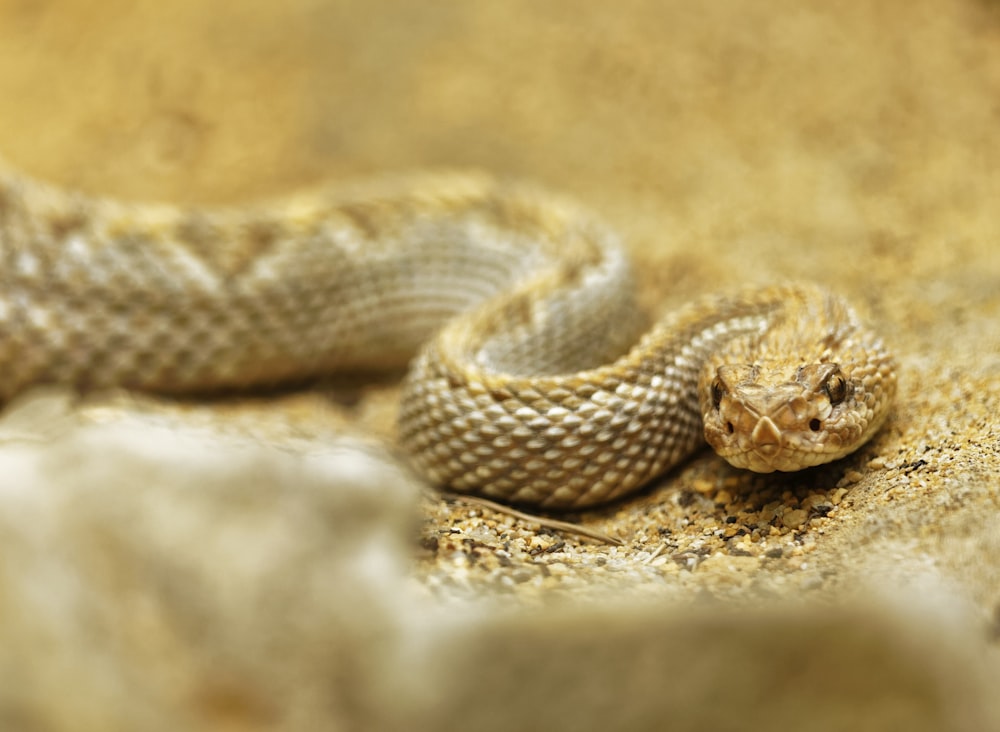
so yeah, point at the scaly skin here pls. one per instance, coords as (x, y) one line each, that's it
(527, 388)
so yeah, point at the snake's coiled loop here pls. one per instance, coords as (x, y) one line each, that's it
(533, 384)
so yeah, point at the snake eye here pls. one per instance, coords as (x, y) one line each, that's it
(718, 390)
(835, 387)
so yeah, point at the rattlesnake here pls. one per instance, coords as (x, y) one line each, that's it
(519, 304)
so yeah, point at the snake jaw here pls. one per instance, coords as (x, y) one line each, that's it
(761, 420)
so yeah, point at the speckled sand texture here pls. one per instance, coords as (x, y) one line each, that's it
(261, 564)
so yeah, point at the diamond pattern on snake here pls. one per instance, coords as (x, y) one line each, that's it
(514, 306)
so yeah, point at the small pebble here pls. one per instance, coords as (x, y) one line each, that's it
(795, 518)
(702, 486)
(769, 511)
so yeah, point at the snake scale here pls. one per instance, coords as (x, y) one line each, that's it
(531, 382)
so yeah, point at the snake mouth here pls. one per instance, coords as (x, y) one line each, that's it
(787, 457)
(761, 446)
(761, 461)
(769, 459)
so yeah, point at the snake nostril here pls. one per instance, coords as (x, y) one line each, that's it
(729, 427)
(815, 424)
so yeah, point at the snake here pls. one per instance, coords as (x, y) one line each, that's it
(533, 377)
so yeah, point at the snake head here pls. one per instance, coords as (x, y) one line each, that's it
(765, 417)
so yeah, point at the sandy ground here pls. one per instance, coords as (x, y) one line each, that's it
(852, 144)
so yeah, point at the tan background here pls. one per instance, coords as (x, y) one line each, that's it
(851, 143)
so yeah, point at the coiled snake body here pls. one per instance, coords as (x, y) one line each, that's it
(530, 382)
